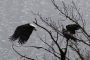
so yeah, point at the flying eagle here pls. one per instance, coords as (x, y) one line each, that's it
(68, 35)
(22, 33)
(72, 27)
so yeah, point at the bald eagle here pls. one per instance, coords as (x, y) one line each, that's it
(22, 33)
(72, 27)
(67, 35)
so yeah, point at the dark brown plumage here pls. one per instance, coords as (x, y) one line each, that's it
(22, 33)
(72, 27)
(67, 35)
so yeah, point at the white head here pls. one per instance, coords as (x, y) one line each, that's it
(33, 26)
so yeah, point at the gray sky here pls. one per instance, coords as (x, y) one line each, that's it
(17, 12)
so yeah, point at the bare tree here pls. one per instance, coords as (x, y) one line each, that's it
(67, 12)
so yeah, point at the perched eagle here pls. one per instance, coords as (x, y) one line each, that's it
(22, 33)
(72, 27)
(68, 35)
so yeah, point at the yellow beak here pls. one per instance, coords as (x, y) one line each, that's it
(34, 29)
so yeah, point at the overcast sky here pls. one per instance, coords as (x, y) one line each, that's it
(17, 12)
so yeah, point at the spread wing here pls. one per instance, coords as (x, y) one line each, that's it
(25, 36)
(72, 27)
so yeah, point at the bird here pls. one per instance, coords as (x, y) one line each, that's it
(72, 28)
(68, 35)
(22, 33)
